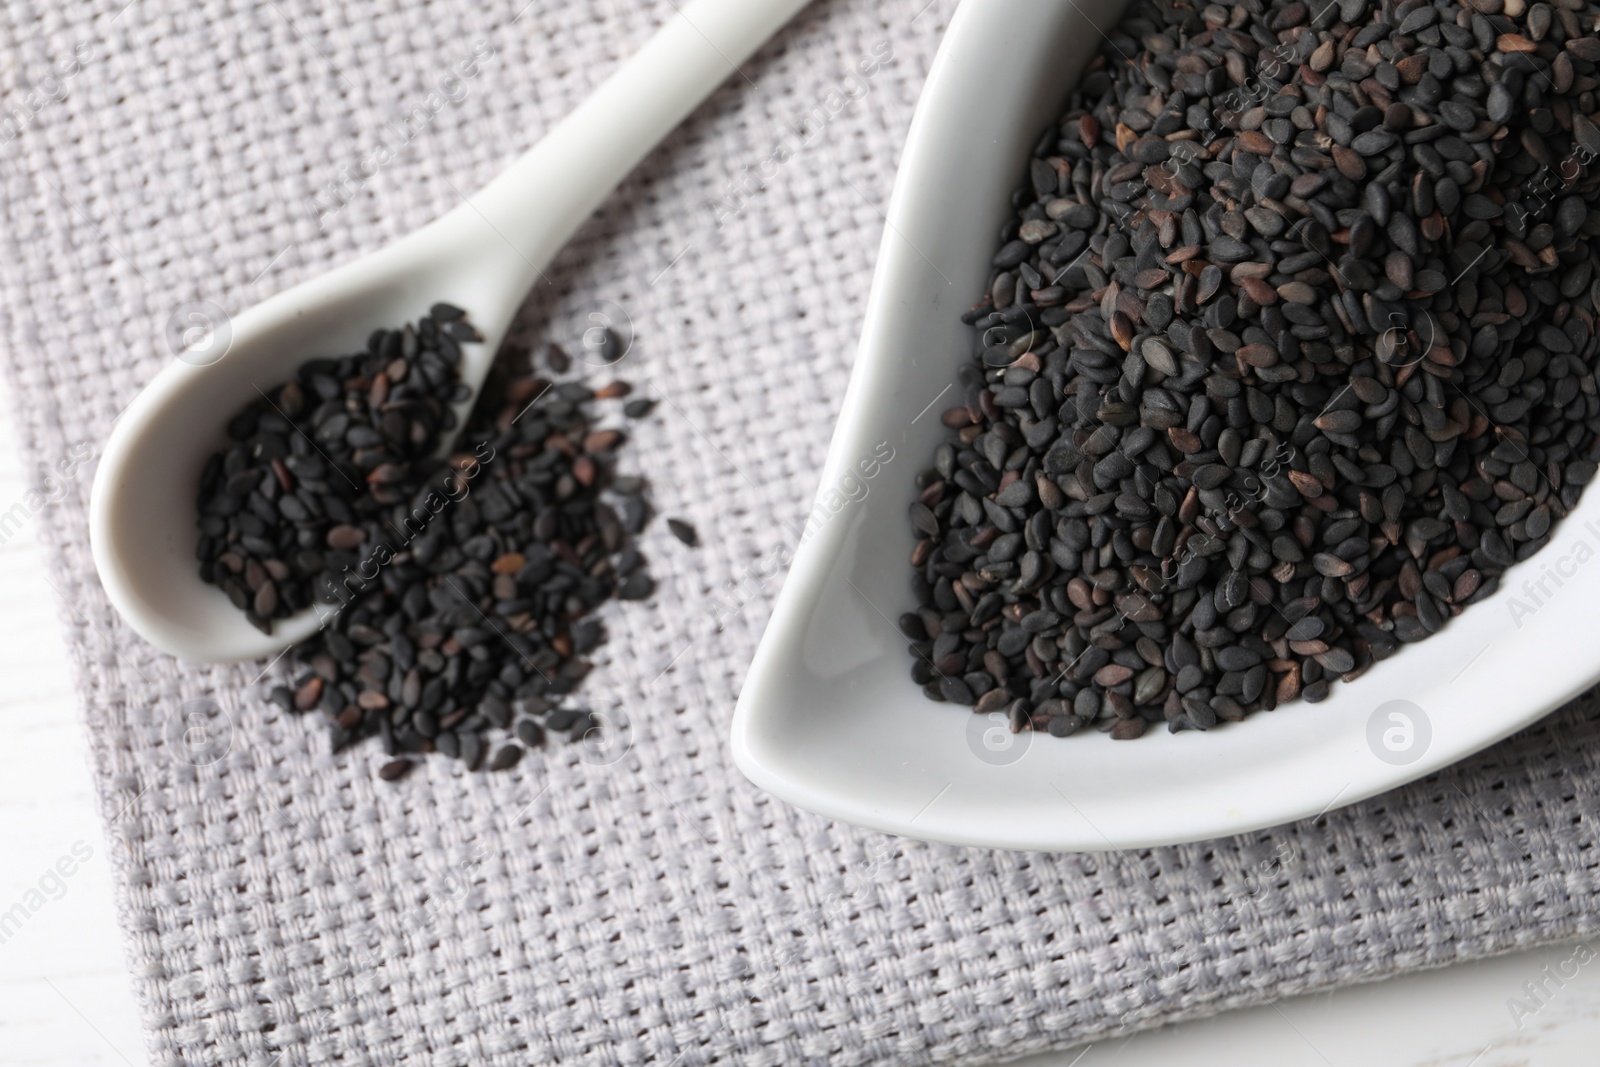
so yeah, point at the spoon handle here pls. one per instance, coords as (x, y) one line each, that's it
(535, 205)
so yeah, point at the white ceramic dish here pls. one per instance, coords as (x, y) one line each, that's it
(829, 719)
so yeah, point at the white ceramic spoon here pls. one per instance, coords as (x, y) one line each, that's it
(483, 257)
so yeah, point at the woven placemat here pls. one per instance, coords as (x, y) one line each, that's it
(282, 906)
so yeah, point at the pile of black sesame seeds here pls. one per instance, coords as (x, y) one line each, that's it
(457, 593)
(1288, 354)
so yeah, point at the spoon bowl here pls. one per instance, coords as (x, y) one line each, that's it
(483, 257)
(142, 510)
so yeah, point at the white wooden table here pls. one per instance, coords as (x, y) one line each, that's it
(66, 1001)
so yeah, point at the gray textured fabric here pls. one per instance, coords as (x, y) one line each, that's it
(645, 904)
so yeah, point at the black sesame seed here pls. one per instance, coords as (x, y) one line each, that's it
(506, 758)
(395, 770)
(683, 532)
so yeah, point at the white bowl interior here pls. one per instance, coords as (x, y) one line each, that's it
(829, 718)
